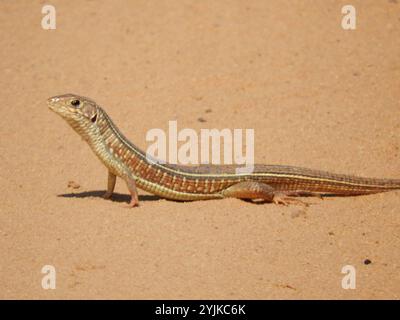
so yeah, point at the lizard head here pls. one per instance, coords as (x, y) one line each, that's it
(74, 108)
(80, 112)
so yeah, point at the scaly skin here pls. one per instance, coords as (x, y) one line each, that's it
(270, 183)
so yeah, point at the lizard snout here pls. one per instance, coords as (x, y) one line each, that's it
(52, 102)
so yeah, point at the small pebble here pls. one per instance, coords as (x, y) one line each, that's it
(73, 185)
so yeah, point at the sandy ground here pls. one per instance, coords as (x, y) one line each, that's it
(317, 96)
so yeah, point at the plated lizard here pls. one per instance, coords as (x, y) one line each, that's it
(269, 183)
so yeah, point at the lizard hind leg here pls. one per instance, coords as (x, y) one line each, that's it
(250, 190)
(255, 190)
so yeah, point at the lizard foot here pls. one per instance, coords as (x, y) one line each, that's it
(286, 200)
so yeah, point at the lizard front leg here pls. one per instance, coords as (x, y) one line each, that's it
(131, 184)
(112, 178)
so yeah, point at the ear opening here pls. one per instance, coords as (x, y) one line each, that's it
(90, 112)
(94, 118)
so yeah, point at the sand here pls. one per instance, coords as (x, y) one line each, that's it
(316, 95)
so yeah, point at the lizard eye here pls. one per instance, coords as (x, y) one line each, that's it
(75, 103)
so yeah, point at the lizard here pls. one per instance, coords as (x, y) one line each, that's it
(267, 183)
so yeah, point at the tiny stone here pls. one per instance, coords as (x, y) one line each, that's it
(73, 185)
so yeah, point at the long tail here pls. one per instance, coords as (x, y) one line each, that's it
(323, 182)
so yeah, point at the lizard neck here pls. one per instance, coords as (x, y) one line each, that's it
(117, 153)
